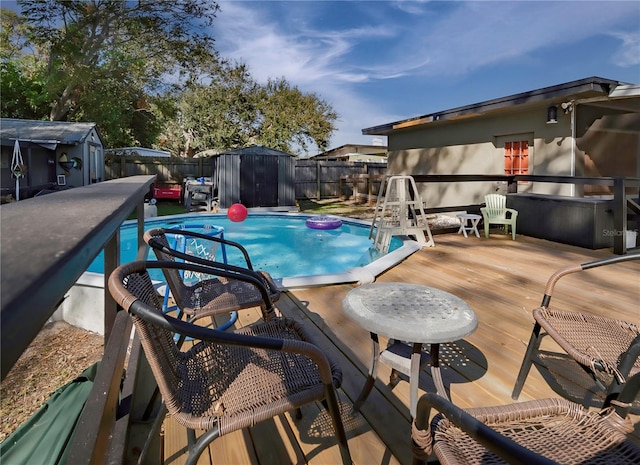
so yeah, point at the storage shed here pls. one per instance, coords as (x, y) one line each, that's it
(255, 176)
(56, 155)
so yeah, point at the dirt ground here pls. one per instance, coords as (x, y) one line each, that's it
(61, 351)
(56, 356)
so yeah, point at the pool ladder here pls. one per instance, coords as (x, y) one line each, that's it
(399, 211)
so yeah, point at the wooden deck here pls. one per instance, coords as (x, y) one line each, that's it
(502, 280)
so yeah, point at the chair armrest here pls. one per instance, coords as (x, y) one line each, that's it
(555, 277)
(214, 265)
(142, 266)
(503, 447)
(514, 213)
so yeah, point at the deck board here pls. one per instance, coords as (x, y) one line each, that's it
(502, 280)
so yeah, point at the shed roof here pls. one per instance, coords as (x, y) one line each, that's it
(44, 132)
(256, 150)
(583, 88)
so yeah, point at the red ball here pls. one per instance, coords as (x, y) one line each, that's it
(237, 212)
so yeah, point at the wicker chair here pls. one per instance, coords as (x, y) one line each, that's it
(606, 348)
(216, 295)
(227, 380)
(495, 211)
(535, 432)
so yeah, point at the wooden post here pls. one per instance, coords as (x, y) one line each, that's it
(111, 261)
(619, 217)
(318, 193)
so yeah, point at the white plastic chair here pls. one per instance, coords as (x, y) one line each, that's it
(496, 212)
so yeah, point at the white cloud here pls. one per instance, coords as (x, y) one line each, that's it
(413, 7)
(478, 34)
(629, 54)
(382, 42)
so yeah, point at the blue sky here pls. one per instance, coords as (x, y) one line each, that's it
(381, 61)
(376, 62)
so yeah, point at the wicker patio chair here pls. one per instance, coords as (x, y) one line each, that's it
(605, 347)
(226, 381)
(544, 431)
(213, 295)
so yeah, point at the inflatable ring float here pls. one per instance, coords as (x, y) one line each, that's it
(323, 222)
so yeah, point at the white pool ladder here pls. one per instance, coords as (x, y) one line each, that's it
(399, 212)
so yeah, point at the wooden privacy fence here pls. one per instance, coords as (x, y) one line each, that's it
(313, 179)
(361, 187)
(167, 170)
(331, 179)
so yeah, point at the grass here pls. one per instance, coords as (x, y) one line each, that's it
(317, 207)
(165, 207)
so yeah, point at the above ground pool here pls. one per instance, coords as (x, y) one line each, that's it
(282, 244)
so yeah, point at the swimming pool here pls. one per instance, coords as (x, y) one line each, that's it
(280, 243)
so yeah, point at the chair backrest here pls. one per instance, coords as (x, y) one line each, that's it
(130, 285)
(496, 205)
(158, 241)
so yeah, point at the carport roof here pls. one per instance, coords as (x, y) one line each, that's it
(591, 87)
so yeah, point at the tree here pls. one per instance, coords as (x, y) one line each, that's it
(23, 74)
(289, 118)
(234, 111)
(148, 74)
(107, 59)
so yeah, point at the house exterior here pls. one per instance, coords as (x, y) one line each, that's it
(354, 152)
(589, 127)
(56, 154)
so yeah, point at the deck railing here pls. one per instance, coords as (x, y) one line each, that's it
(625, 206)
(47, 243)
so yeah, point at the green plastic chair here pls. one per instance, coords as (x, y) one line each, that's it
(496, 212)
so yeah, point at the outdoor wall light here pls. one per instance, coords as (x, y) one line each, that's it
(567, 107)
(552, 114)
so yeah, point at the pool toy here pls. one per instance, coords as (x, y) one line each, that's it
(323, 222)
(237, 212)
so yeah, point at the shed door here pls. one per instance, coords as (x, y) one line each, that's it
(259, 180)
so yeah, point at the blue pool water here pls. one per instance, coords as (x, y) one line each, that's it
(278, 243)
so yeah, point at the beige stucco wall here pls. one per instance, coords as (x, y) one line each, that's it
(476, 146)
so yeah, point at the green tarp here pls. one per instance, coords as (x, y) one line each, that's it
(45, 437)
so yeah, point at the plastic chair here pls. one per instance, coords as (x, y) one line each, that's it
(547, 431)
(226, 381)
(210, 295)
(496, 212)
(602, 346)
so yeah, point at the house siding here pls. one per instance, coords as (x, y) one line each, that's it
(476, 146)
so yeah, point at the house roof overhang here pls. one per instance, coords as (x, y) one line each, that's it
(605, 91)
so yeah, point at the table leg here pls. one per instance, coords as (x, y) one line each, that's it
(474, 223)
(373, 369)
(463, 227)
(414, 378)
(435, 370)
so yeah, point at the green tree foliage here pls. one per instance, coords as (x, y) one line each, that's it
(233, 111)
(106, 58)
(289, 118)
(148, 74)
(22, 86)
